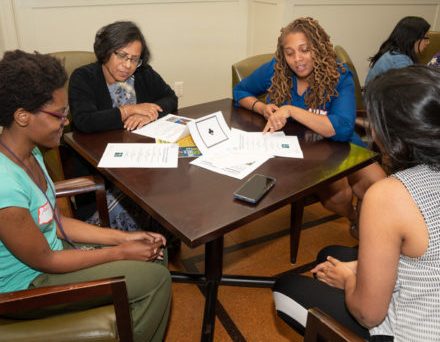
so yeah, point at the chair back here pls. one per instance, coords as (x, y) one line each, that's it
(71, 60)
(432, 48)
(321, 327)
(343, 57)
(247, 66)
(74, 59)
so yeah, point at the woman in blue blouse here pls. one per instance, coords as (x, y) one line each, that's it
(401, 49)
(306, 83)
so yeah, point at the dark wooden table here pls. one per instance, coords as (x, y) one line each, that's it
(197, 205)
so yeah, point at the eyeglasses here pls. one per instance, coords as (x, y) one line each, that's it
(61, 116)
(124, 57)
(426, 38)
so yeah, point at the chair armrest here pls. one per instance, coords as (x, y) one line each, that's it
(37, 298)
(322, 327)
(81, 185)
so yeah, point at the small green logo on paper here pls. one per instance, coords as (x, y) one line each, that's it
(118, 154)
(284, 145)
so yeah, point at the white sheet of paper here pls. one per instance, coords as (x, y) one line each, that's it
(140, 155)
(232, 164)
(210, 132)
(275, 144)
(169, 128)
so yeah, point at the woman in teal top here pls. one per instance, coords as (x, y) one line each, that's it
(306, 83)
(33, 111)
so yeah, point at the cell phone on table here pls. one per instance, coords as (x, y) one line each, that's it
(254, 188)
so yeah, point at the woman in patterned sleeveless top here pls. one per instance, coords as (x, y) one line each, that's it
(389, 289)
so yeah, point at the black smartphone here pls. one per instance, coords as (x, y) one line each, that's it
(254, 188)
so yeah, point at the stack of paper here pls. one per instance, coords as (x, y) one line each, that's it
(170, 128)
(236, 153)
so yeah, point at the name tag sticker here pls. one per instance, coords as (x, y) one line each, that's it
(45, 214)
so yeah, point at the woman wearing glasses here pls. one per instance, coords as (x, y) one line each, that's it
(120, 90)
(34, 237)
(407, 40)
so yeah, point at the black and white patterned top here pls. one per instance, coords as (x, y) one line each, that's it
(414, 311)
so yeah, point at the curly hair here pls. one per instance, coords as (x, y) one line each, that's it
(115, 36)
(27, 80)
(325, 76)
(403, 107)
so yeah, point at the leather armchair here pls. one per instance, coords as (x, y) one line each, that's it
(105, 323)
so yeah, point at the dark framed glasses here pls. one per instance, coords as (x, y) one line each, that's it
(124, 57)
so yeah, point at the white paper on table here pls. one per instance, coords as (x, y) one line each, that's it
(210, 132)
(139, 155)
(169, 128)
(276, 144)
(232, 164)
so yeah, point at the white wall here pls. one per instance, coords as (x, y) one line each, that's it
(191, 41)
(197, 41)
(360, 26)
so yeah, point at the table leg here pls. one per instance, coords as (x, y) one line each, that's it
(213, 273)
(296, 217)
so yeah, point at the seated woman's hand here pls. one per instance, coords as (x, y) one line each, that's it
(269, 109)
(277, 120)
(334, 272)
(144, 235)
(148, 109)
(136, 121)
(142, 250)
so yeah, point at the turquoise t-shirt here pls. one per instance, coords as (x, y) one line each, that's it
(18, 190)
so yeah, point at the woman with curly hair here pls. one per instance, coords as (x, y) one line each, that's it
(305, 82)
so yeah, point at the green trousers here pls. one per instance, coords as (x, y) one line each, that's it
(148, 287)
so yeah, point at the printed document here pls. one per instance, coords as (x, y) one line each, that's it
(139, 155)
(169, 128)
(276, 144)
(232, 164)
(210, 132)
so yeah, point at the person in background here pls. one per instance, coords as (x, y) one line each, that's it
(120, 90)
(388, 289)
(402, 48)
(36, 241)
(306, 83)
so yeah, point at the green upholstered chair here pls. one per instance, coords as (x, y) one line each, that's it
(361, 115)
(72, 60)
(106, 323)
(432, 48)
(343, 57)
(57, 160)
(247, 66)
(321, 327)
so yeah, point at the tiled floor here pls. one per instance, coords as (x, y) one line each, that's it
(258, 248)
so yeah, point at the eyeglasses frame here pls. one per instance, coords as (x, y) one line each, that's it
(124, 57)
